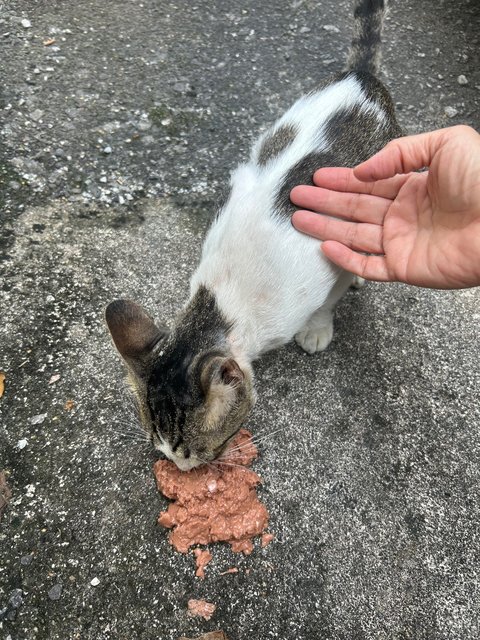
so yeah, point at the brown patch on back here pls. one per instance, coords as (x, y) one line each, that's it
(352, 136)
(273, 145)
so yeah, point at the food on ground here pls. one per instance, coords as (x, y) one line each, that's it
(212, 635)
(216, 502)
(202, 559)
(201, 608)
(2, 383)
(266, 539)
(232, 570)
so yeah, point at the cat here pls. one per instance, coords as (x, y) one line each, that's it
(259, 282)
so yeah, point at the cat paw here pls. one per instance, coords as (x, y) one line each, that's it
(357, 282)
(313, 340)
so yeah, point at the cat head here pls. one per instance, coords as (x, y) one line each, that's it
(193, 396)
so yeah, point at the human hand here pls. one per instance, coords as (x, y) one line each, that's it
(422, 228)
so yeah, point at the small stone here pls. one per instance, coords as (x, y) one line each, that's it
(21, 444)
(144, 125)
(56, 591)
(95, 582)
(103, 179)
(16, 598)
(38, 419)
(30, 490)
(26, 24)
(54, 378)
(107, 150)
(26, 560)
(331, 28)
(36, 115)
(305, 30)
(450, 112)
(462, 79)
(181, 87)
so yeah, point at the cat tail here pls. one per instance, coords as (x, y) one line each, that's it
(364, 54)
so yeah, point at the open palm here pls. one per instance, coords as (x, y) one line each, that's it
(421, 228)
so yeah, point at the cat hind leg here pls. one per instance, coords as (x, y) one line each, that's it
(358, 282)
(317, 334)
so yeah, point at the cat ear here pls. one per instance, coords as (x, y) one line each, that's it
(223, 383)
(133, 331)
(220, 370)
(230, 373)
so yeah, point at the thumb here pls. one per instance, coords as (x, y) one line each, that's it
(402, 156)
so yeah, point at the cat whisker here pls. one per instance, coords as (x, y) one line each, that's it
(134, 433)
(253, 442)
(219, 462)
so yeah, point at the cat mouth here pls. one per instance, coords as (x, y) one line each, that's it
(184, 464)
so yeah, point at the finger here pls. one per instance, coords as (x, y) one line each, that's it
(402, 155)
(340, 179)
(359, 237)
(369, 267)
(359, 207)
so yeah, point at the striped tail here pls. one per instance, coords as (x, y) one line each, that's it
(364, 54)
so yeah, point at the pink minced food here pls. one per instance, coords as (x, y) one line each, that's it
(201, 608)
(202, 559)
(214, 503)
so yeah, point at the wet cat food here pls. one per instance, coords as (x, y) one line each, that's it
(201, 608)
(213, 503)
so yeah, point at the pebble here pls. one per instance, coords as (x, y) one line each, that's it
(38, 419)
(56, 591)
(450, 112)
(144, 125)
(26, 560)
(107, 150)
(95, 582)
(26, 24)
(331, 28)
(30, 490)
(21, 444)
(462, 79)
(181, 87)
(36, 115)
(16, 598)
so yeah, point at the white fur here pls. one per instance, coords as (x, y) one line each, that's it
(271, 281)
(184, 464)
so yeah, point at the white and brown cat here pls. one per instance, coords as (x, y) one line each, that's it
(259, 282)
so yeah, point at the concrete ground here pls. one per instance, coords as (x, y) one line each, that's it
(120, 123)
